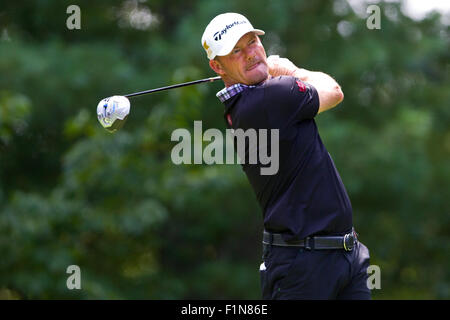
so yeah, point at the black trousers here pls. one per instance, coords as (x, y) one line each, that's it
(295, 273)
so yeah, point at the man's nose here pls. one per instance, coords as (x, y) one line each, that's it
(250, 54)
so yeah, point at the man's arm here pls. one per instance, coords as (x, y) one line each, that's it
(330, 93)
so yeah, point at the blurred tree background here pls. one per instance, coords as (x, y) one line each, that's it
(141, 227)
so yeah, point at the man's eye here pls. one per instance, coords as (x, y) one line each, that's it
(236, 51)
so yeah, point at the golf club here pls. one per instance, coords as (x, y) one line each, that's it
(113, 111)
(172, 86)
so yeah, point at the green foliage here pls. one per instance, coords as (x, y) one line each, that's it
(141, 227)
(14, 111)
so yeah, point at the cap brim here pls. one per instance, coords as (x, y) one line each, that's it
(227, 49)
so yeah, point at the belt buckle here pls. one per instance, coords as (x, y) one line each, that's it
(349, 242)
(268, 241)
(309, 245)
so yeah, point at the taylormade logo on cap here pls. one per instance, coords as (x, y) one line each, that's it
(218, 36)
(223, 32)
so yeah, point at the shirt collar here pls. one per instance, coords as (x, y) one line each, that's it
(228, 92)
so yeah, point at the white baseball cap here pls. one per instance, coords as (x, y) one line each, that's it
(224, 31)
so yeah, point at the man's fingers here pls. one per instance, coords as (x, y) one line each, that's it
(280, 66)
(273, 57)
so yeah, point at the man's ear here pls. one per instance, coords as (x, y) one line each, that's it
(217, 67)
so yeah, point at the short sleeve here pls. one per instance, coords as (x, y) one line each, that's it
(288, 99)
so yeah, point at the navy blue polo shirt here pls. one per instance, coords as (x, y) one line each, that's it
(306, 195)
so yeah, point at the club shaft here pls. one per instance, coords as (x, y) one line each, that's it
(172, 86)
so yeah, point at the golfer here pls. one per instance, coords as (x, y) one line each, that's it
(310, 249)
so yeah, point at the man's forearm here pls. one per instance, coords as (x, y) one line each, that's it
(316, 78)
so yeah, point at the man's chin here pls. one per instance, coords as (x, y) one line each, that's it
(259, 74)
(259, 79)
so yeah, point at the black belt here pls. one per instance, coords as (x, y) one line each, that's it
(346, 242)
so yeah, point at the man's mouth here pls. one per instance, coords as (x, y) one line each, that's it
(253, 66)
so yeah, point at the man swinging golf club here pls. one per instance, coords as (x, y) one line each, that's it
(310, 249)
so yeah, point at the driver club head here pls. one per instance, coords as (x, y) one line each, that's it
(112, 112)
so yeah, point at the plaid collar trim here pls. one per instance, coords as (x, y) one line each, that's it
(227, 93)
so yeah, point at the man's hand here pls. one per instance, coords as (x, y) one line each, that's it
(280, 66)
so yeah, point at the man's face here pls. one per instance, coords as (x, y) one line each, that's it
(246, 63)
